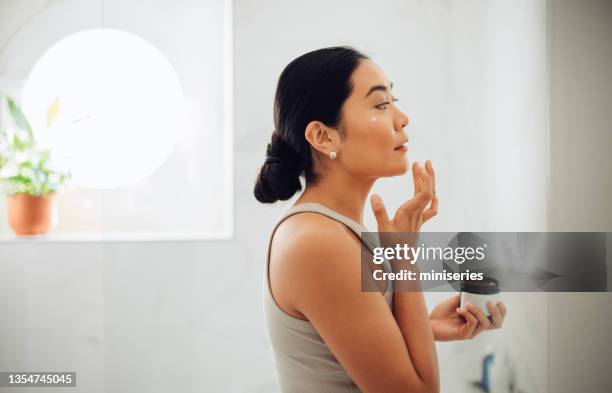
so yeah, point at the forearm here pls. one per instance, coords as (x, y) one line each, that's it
(412, 316)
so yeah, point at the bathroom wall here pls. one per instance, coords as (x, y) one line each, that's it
(580, 184)
(187, 316)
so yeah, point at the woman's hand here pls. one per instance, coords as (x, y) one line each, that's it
(449, 322)
(414, 212)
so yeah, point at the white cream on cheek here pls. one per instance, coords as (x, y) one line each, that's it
(373, 119)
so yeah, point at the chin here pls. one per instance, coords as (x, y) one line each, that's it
(402, 171)
(396, 170)
(393, 166)
(403, 167)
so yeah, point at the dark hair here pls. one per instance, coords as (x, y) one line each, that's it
(312, 87)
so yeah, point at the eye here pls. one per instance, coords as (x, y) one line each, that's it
(383, 105)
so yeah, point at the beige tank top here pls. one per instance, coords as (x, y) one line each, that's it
(302, 361)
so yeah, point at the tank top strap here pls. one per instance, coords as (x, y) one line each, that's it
(369, 239)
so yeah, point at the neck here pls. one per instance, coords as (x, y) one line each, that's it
(340, 192)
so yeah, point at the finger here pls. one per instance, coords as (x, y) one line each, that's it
(495, 315)
(415, 177)
(483, 321)
(470, 324)
(423, 189)
(380, 212)
(432, 175)
(422, 197)
(425, 193)
(427, 180)
(433, 209)
(502, 308)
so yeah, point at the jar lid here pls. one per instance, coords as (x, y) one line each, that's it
(486, 286)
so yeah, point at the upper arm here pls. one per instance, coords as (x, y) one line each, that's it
(358, 327)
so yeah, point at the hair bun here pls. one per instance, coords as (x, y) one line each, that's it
(279, 177)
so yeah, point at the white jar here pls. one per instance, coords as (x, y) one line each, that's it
(478, 293)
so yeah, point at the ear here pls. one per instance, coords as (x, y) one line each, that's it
(321, 137)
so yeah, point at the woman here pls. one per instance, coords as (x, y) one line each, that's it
(337, 125)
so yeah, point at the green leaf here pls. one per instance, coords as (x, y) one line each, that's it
(26, 164)
(45, 188)
(20, 179)
(44, 156)
(19, 117)
(17, 143)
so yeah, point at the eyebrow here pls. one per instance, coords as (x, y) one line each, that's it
(379, 88)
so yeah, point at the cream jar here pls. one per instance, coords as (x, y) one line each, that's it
(479, 292)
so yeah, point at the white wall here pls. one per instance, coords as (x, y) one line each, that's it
(581, 184)
(186, 316)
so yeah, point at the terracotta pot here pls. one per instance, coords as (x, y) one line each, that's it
(30, 215)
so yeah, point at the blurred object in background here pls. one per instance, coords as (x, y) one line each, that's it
(27, 175)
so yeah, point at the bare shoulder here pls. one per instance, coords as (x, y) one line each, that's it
(300, 232)
(308, 249)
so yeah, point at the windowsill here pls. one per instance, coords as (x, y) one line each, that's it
(115, 237)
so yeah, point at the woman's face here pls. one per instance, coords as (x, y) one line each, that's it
(373, 126)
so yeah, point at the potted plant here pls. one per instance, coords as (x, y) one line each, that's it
(26, 176)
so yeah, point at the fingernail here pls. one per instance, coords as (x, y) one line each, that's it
(375, 198)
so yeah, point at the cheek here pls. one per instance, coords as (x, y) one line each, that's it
(369, 145)
(370, 136)
(372, 129)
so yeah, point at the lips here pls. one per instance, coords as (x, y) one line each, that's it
(402, 146)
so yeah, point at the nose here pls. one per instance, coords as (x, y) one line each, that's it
(401, 120)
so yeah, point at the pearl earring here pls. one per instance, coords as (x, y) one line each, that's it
(332, 155)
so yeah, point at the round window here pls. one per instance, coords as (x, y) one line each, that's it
(109, 105)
